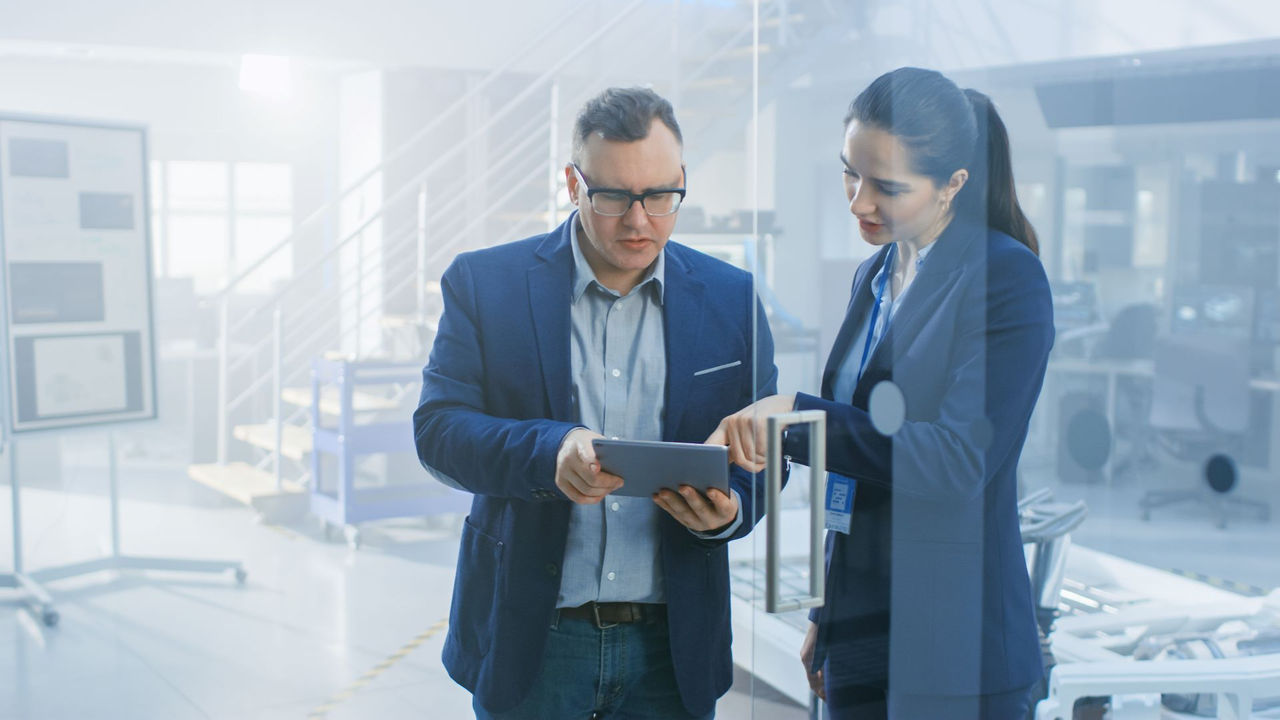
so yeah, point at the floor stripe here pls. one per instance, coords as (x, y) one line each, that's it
(322, 710)
(1242, 588)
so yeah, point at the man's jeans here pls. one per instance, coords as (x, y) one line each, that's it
(621, 672)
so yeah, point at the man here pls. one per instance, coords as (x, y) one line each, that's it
(570, 602)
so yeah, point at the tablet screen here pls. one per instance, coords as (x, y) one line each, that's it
(646, 466)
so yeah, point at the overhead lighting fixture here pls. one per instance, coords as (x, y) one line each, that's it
(266, 75)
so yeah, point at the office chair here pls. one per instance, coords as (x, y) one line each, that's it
(1200, 406)
(1131, 336)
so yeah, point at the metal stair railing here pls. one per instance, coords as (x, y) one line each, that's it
(223, 296)
(306, 350)
(309, 343)
(388, 245)
(527, 132)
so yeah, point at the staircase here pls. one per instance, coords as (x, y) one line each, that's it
(485, 170)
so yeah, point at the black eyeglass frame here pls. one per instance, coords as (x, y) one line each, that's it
(632, 198)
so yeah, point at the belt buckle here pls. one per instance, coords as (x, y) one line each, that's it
(600, 624)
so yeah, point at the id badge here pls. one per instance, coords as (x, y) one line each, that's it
(840, 492)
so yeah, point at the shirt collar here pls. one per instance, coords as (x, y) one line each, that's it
(584, 276)
(920, 256)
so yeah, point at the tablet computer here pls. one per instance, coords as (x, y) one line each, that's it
(647, 466)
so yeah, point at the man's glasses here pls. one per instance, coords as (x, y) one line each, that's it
(615, 202)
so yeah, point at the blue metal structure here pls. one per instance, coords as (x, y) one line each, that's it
(345, 505)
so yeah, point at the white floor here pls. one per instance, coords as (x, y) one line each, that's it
(320, 630)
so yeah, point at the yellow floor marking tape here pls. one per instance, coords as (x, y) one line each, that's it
(322, 710)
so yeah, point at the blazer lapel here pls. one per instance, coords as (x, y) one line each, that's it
(550, 292)
(859, 305)
(946, 263)
(682, 305)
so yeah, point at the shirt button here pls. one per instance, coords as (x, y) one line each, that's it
(612, 575)
(616, 372)
(552, 569)
(614, 507)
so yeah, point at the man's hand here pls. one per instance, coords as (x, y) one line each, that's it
(696, 511)
(806, 657)
(746, 432)
(578, 473)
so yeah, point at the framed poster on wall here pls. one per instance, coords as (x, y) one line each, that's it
(76, 250)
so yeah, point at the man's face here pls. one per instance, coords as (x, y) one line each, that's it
(621, 249)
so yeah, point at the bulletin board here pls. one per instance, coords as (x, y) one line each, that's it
(76, 252)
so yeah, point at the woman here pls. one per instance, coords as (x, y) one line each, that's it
(928, 393)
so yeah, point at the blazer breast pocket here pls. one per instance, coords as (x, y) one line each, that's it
(719, 373)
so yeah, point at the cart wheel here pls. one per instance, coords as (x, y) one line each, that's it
(49, 617)
(352, 535)
(241, 576)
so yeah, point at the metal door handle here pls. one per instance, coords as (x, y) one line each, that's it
(773, 521)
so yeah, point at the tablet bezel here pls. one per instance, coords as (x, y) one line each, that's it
(647, 466)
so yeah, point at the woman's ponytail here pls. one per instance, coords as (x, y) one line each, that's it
(991, 175)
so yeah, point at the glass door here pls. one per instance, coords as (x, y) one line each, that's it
(1108, 475)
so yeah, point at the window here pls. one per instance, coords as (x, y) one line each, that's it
(213, 220)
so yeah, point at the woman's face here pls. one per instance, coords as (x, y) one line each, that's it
(891, 201)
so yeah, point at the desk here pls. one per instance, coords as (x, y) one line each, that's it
(1141, 368)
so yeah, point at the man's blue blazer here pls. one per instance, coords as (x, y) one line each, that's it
(497, 401)
(928, 593)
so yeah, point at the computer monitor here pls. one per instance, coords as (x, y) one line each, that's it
(1224, 310)
(1075, 304)
(1266, 324)
(1266, 331)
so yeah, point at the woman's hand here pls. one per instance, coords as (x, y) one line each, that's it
(746, 432)
(806, 657)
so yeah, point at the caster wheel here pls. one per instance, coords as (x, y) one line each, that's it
(50, 618)
(241, 576)
(352, 535)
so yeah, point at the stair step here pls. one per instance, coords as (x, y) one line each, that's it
(331, 401)
(295, 442)
(401, 321)
(707, 83)
(741, 51)
(253, 487)
(773, 22)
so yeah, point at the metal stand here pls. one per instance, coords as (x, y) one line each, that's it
(345, 505)
(33, 582)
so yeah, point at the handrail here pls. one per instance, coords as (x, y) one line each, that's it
(393, 243)
(302, 274)
(455, 199)
(261, 344)
(302, 370)
(404, 147)
(281, 291)
(398, 244)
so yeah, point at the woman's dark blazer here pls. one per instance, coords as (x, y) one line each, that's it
(929, 593)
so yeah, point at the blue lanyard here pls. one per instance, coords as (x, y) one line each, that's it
(887, 269)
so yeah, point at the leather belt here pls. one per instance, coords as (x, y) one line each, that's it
(608, 614)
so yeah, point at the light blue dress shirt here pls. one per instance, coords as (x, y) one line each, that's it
(619, 366)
